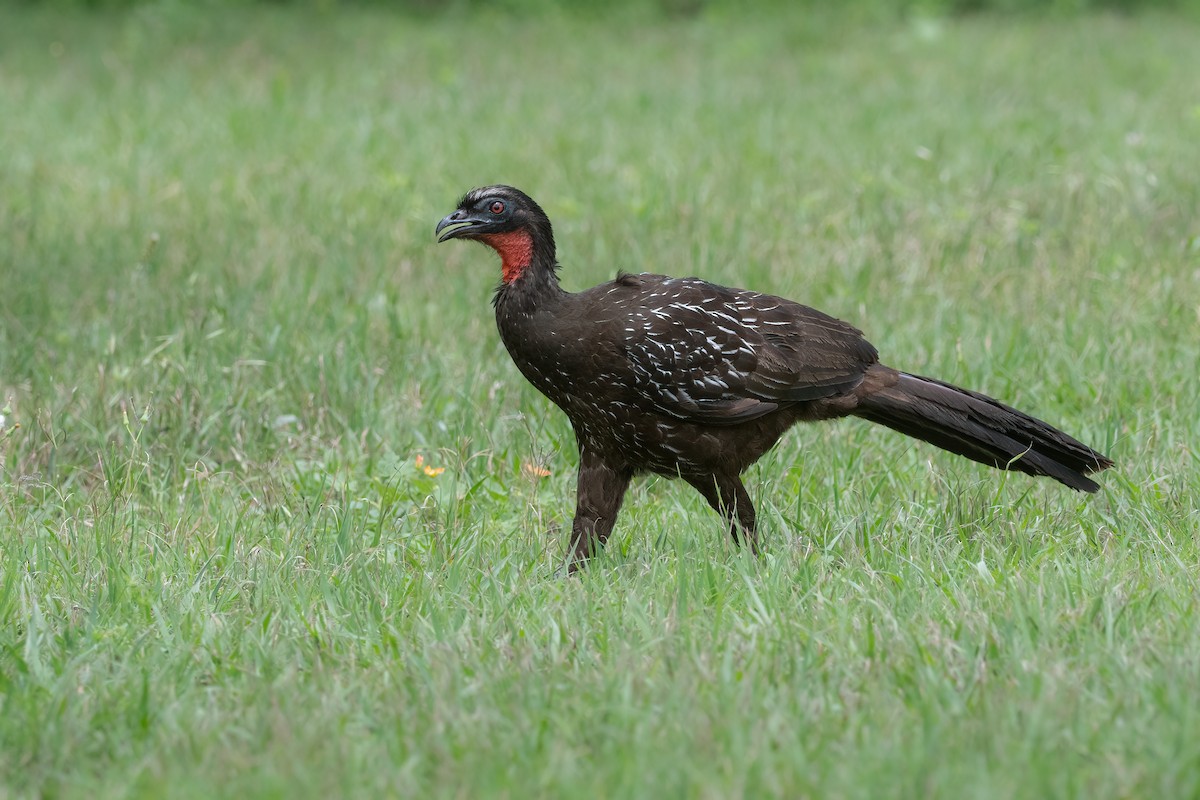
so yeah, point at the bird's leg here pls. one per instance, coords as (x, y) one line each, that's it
(601, 490)
(729, 498)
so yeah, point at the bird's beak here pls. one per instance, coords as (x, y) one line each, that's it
(462, 219)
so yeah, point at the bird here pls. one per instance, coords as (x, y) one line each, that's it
(692, 380)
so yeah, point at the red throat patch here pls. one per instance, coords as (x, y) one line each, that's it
(516, 252)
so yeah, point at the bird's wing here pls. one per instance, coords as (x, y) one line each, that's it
(717, 355)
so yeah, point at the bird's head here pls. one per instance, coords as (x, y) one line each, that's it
(508, 221)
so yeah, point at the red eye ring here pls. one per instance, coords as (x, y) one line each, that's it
(496, 207)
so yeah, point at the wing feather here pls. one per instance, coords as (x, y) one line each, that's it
(712, 354)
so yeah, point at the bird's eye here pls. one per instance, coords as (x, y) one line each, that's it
(496, 207)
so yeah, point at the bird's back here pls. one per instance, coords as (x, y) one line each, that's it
(708, 353)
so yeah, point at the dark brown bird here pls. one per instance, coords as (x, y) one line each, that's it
(688, 379)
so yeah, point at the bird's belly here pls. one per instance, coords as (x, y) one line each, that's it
(649, 441)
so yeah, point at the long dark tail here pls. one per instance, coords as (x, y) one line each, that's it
(982, 429)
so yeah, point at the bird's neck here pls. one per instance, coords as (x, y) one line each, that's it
(516, 252)
(531, 310)
(528, 273)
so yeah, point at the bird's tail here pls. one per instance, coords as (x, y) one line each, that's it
(982, 429)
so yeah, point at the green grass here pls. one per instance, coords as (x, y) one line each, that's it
(226, 336)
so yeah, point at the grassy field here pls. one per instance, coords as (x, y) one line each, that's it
(272, 517)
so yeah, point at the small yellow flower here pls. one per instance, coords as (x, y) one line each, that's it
(432, 472)
(536, 471)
